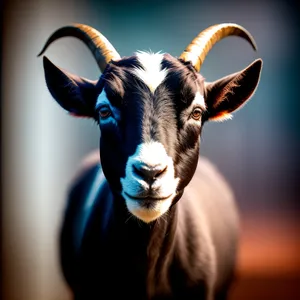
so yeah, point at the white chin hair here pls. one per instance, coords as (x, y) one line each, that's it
(148, 215)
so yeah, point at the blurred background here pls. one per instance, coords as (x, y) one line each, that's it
(258, 150)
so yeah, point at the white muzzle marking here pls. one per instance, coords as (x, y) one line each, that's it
(150, 154)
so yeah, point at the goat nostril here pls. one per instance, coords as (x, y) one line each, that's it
(137, 171)
(149, 173)
(160, 172)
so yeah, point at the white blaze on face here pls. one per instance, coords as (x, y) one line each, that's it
(151, 73)
(151, 154)
(199, 100)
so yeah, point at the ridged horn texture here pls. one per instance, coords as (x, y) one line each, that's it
(198, 49)
(101, 48)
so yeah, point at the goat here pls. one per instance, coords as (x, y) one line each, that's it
(124, 229)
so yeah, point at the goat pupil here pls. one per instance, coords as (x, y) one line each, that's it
(196, 114)
(104, 112)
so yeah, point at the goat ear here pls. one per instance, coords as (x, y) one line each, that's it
(231, 92)
(75, 94)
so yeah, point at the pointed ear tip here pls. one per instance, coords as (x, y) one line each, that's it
(258, 62)
(47, 62)
(256, 65)
(45, 59)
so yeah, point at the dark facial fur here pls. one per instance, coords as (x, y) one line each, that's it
(163, 116)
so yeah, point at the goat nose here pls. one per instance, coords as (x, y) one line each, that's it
(149, 173)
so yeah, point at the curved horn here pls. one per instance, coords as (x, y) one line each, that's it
(197, 50)
(101, 48)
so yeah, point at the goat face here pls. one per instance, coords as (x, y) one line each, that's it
(150, 109)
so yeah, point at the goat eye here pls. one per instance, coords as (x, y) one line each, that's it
(104, 112)
(196, 114)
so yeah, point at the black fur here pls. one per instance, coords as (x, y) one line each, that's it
(188, 253)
